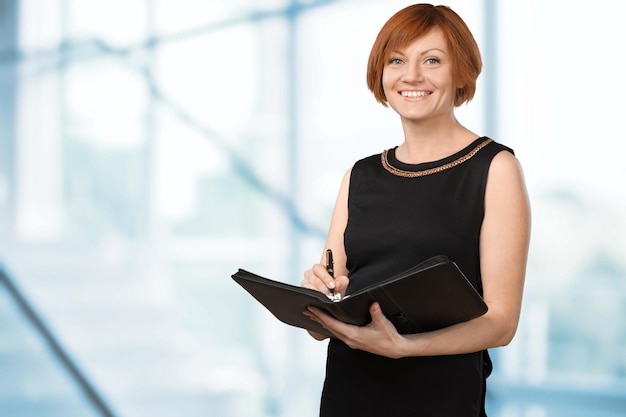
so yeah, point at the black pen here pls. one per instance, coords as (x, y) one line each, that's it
(330, 268)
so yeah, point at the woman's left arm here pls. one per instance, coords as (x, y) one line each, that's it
(504, 241)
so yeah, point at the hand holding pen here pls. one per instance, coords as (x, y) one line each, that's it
(321, 277)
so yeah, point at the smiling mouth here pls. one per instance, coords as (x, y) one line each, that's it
(414, 94)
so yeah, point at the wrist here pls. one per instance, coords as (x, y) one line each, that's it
(410, 345)
(402, 347)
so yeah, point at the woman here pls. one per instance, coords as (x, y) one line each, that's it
(443, 191)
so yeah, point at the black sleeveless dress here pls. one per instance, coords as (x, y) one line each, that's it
(399, 215)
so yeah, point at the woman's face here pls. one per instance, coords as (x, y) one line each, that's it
(418, 80)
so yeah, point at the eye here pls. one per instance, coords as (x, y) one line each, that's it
(432, 61)
(396, 61)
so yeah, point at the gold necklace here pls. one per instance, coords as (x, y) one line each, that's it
(415, 174)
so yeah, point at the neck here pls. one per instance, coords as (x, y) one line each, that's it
(431, 140)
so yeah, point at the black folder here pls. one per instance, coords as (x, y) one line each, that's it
(429, 296)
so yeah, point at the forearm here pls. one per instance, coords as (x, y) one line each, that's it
(488, 331)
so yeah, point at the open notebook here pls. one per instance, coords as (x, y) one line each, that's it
(429, 296)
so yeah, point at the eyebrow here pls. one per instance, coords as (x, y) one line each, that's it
(422, 53)
(434, 49)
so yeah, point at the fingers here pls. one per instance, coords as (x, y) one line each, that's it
(324, 319)
(317, 278)
(321, 272)
(379, 336)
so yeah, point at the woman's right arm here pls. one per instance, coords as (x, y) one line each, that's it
(317, 277)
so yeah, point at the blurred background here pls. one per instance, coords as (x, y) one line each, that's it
(150, 148)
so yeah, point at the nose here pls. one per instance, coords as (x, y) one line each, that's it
(412, 73)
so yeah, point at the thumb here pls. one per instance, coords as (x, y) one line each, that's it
(341, 283)
(376, 312)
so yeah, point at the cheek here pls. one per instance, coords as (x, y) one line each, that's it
(387, 83)
(385, 79)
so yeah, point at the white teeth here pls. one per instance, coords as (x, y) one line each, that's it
(414, 94)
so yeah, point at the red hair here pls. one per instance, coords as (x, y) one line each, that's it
(415, 21)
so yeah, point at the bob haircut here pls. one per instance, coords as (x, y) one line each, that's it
(415, 21)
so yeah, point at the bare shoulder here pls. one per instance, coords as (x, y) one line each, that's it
(505, 162)
(505, 171)
(506, 195)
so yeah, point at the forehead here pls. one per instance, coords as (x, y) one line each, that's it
(433, 38)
